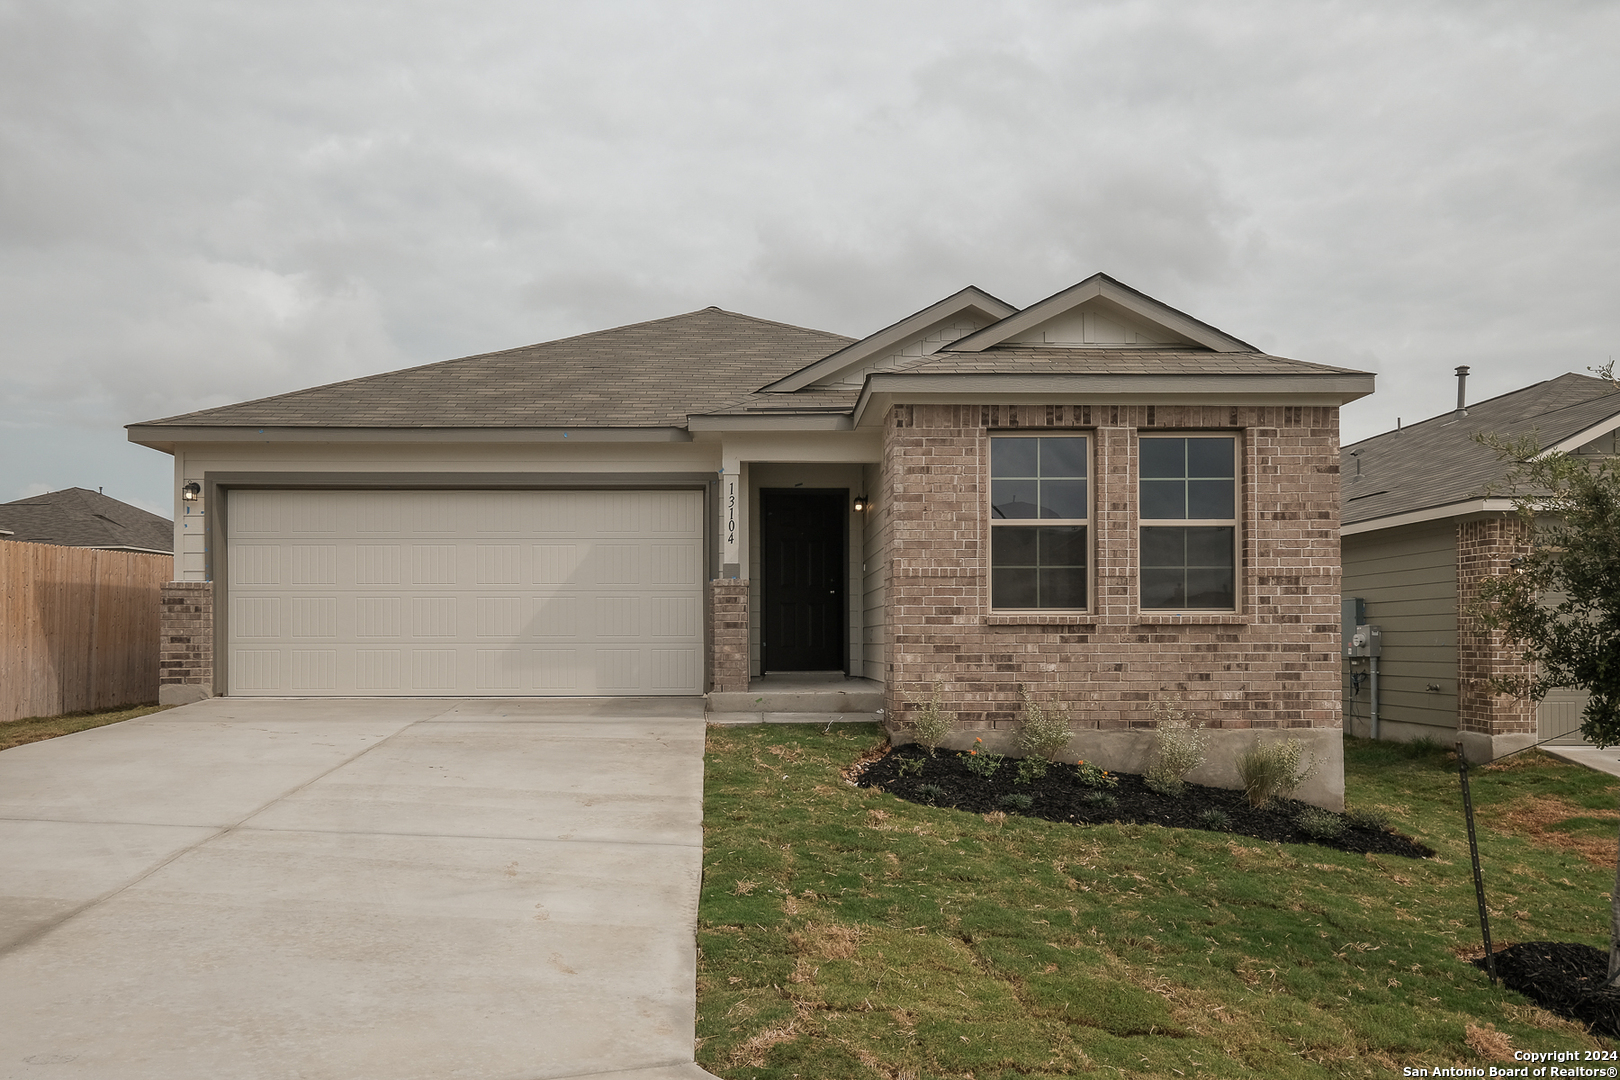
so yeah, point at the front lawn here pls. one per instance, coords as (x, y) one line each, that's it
(846, 933)
(34, 729)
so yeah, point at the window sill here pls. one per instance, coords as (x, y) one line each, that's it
(1036, 618)
(1213, 618)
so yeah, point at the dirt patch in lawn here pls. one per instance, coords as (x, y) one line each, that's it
(1062, 795)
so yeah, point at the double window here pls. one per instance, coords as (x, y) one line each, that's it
(1040, 514)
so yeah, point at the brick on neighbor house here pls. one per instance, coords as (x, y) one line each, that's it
(1486, 548)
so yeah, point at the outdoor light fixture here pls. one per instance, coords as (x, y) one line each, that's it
(861, 503)
(191, 491)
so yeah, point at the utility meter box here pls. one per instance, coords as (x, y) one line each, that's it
(1366, 641)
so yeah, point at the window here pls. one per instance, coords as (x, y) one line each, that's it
(1039, 511)
(1191, 480)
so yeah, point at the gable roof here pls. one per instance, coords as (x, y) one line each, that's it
(77, 517)
(1436, 468)
(649, 374)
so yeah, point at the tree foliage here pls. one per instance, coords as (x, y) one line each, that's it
(1561, 601)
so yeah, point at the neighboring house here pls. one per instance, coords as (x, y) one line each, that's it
(1426, 517)
(1098, 497)
(75, 517)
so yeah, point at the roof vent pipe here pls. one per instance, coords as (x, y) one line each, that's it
(1462, 390)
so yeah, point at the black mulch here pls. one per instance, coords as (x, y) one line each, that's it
(1059, 796)
(1562, 978)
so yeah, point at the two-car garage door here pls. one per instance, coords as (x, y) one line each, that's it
(493, 593)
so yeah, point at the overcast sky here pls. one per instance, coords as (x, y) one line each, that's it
(202, 203)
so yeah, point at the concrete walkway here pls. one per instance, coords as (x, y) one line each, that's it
(388, 888)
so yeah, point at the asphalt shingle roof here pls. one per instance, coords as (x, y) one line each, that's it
(650, 374)
(1438, 462)
(77, 517)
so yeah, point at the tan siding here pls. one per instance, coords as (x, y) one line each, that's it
(1408, 577)
(875, 580)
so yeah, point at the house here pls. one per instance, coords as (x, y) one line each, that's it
(76, 517)
(1097, 497)
(1426, 516)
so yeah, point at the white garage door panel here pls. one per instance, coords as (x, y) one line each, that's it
(465, 593)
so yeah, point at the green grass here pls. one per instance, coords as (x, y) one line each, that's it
(845, 933)
(34, 729)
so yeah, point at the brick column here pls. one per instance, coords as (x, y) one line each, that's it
(186, 643)
(1485, 549)
(728, 635)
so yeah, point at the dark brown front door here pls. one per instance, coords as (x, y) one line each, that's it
(802, 562)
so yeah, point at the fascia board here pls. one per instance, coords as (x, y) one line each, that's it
(166, 438)
(1581, 437)
(886, 340)
(1429, 513)
(1104, 287)
(788, 422)
(1330, 389)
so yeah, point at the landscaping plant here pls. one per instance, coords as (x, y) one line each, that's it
(980, 761)
(1042, 733)
(1180, 749)
(933, 725)
(1271, 771)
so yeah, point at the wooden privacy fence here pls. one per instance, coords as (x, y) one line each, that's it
(78, 628)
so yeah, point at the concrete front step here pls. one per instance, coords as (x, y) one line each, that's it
(738, 719)
(796, 701)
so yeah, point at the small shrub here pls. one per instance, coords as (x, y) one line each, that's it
(1218, 820)
(1425, 746)
(1163, 785)
(1017, 801)
(1271, 771)
(930, 792)
(912, 766)
(1094, 776)
(1030, 769)
(1367, 820)
(1180, 750)
(1319, 824)
(1042, 733)
(1100, 799)
(932, 725)
(980, 761)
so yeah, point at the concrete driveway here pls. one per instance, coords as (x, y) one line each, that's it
(389, 888)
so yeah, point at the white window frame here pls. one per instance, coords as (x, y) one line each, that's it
(1235, 522)
(1088, 522)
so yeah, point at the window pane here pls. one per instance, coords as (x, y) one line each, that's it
(1063, 587)
(1063, 498)
(1012, 547)
(1163, 457)
(1209, 546)
(1210, 457)
(1162, 588)
(1164, 547)
(1164, 499)
(1012, 588)
(1210, 589)
(1013, 498)
(1063, 457)
(1062, 545)
(1209, 499)
(1012, 457)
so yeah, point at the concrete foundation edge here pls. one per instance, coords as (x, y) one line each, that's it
(183, 693)
(1133, 751)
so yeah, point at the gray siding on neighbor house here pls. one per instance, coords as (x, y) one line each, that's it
(1408, 577)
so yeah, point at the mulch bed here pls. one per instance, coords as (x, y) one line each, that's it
(1562, 978)
(1060, 796)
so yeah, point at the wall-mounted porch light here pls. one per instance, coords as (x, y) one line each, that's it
(191, 492)
(861, 503)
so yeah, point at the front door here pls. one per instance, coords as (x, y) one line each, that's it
(802, 564)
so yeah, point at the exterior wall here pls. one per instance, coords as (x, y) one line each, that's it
(186, 643)
(786, 475)
(1485, 548)
(1272, 665)
(875, 576)
(728, 635)
(1408, 578)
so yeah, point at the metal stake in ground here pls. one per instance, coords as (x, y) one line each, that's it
(1473, 853)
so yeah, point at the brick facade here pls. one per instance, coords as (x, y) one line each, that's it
(728, 635)
(186, 644)
(1485, 549)
(1275, 664)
